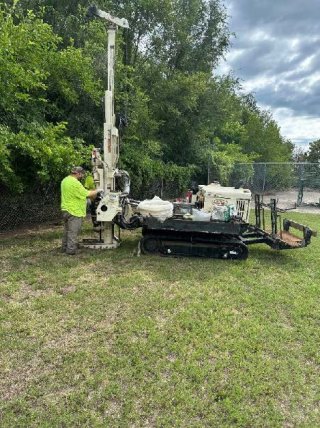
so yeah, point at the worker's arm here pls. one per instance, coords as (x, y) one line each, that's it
(93, 193)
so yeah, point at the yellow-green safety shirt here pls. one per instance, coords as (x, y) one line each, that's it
(89, 183)
(73, 196)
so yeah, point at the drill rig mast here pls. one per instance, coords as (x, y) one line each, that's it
(104, 163)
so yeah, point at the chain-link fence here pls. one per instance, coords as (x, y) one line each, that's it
(293, 184)
(42, 204)
(35, 206)
(167, 190)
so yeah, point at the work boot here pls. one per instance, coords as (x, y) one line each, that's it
(71, 253)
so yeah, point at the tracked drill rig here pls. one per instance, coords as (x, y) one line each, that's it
(219, 228)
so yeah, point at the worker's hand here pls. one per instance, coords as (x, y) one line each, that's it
(99, 194)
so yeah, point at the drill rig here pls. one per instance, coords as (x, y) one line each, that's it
(104, 162)
(220, 229)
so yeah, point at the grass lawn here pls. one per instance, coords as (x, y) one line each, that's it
(109, 339)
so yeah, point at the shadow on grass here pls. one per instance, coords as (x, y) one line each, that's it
(268, 256)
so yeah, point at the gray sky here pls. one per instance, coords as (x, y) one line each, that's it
(276, 54)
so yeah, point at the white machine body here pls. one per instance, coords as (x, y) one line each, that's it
(108, 207)
(216, 195)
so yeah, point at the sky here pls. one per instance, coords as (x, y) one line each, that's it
(276, 54)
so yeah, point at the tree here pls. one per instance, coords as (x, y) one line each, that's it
(299, 154)
(180, 115)
(41, 81)
(313, 154)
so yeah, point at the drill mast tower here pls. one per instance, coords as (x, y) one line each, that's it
(105, 163)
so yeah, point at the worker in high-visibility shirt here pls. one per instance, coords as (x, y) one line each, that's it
(73, 206)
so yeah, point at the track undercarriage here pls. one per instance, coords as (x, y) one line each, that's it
(177, 236)
(171, 243)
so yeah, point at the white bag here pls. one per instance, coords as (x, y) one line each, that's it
(156, 207)
(198, 215)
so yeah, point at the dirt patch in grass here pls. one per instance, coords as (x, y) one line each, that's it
(31, 230)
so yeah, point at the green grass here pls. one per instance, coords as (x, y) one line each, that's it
(109, 339)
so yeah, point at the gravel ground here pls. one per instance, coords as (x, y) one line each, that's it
(288, 200)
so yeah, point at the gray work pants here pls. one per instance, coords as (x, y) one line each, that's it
(72, 227)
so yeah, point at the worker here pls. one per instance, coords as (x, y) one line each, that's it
(73, 206)
(89, 182)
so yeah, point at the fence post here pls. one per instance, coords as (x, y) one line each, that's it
(264, 177)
